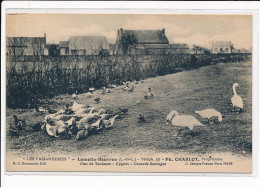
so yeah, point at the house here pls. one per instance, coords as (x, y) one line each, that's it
(222, 47)
(141, 42)
(87, 45)
(63, 48)
(35, 46)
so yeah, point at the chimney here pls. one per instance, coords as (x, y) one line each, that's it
(45, 37)
(163, 31)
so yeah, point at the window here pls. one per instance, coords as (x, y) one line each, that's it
(226, 49)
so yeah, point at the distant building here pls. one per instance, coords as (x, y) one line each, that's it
(141, 42)
(35, 46)
(222, 47)
(86, 45)
(63, 48)
(53, 49)
(242, 50)
(198, 50)
(179, 48)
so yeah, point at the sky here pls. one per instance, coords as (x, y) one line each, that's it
(190, 29)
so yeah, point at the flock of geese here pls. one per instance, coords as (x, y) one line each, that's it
(190, 121)
(79, 120)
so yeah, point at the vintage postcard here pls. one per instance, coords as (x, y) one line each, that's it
(129, 93)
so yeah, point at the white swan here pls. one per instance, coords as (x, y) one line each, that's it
(237, 100)
(183, 120)
(209, 113)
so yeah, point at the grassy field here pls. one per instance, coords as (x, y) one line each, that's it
(207, 87)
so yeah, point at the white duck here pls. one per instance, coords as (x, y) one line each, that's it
(210, 113)
(108, 123)
(237, 100)
(76, 106)
(96, 125)
(83, 111)
(82, 134)
(183, 120)
(71, 121)
(88, 95)
(75, 95)
(54, 130)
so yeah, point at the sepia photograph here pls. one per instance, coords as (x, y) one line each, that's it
(128, 92)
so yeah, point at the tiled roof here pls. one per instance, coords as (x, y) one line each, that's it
(148, 36)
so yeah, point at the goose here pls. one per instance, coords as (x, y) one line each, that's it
(209, 113)
(146, 95)
(141, 118)
(81, 135)
(112, 86)
(109, 111)
(87, 117)
(83, 111)
(18, 123)
(68, 111)
(131, 89)
(71, 121)
(88, 94)
(74, 95)
(97, 125)
(125, 110)
(182, 120)
(237, 100)
(77, 106)
(108, 123)
(150, 93)
(54, 130)
(91, 90)
(41, 109)
(97, 100)
(103, 90)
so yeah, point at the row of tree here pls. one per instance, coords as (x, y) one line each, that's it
(49, 77)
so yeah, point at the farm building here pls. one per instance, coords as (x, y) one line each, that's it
(26, 46)
(198, 50)
(222, 47)
(53, 49)
(141, 42)
(87, 45)
(63, 48)
(179, 48)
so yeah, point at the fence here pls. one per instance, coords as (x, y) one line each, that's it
(30, 78)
